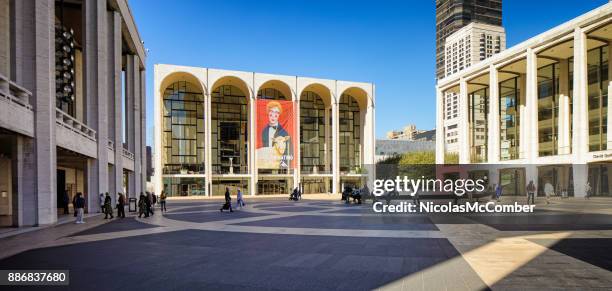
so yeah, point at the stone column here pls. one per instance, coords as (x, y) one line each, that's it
(493, 117)
(5, 39)
(138, 148)
(563, 130)
(335, 142)
(371, 137)
(143, 131)
(116, 93)
(439, 126)
(464, 126)
(252, 145)
(96, 91)
(40, 70)
(523, 118)
(208, 141)
(580, 137)
(130, 115)
(531, 118)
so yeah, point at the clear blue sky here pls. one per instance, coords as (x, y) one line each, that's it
(390, 43)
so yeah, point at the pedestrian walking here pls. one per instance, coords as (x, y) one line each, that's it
(101, 199)
(549, 190)
(162, 201)
(531, 189)
(239, 202)
(79, 205)
(142, 206)
(228, 201)
(150, 203)
(587, 190)
(74, 204)
(108, 207)
(498, 192)
(121, 206)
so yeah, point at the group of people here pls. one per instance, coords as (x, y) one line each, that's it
(228, 201)
(145, 205)
(147, 201)
(549, 191)
(106, 206)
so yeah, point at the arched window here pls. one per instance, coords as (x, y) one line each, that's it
(183, 129)
(350, 133)
(312, 132)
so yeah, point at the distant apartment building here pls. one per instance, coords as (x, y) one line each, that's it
(464, 48)
(410, 132)
(386, 148)
(452, 15)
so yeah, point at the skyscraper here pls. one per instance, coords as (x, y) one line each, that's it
(452, 15)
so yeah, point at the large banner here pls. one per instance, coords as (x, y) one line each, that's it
(275, 134)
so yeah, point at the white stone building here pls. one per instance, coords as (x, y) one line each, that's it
(218, 151)
(61, 127)
(543, 105)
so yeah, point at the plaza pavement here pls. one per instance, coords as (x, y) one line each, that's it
(320, 243)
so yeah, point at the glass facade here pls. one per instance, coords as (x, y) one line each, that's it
(229, 130)
(350, 133)
(509, 118)
(183, 129)
(479, 110)
(180, 186)
(548, 109)
(312, 133)
(597, 66)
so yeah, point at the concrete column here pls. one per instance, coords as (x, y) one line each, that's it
(531, 118)
(464, 130)
(158, 151)
(493, 118)
(24, 181)
(335, 143)
(208, 142)
(580, 137)
(37, 67)
(133, 121)
(96, 91)
(115, 81)
(371, 163)
(564, 145)
(439, 126)
(252, 145)
(143, 130)
(580, 175)
(523, 118)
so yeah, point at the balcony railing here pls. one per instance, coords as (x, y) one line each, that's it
(74, 125)
(13, 93)
(128, 154)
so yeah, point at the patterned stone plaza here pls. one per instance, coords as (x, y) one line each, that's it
(326, 244)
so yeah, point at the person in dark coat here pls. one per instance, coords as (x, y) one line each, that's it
(228, 201)
(142, 206)
(121, 206)
(74, 204)
(79, 206)
(149, 203)
(65, 202)
(108, 207)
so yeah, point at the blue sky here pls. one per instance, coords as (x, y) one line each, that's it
(390, 43)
